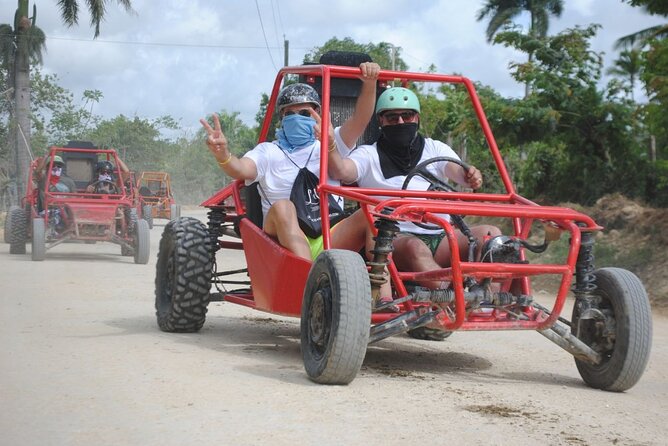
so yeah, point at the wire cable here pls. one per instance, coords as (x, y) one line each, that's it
(265, 35)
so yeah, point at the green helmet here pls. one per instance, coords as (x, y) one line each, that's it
(397, 98)
(57, 160)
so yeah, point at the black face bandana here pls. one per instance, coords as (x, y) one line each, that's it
(399, 148)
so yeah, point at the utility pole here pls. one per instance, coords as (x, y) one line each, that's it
(286, 46)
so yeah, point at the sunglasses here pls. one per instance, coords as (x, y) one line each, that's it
(303, 112)
(393, 118)
(108, 172)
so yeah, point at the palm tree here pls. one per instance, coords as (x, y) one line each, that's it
(502, 12)
(628, 66)
(22, 45)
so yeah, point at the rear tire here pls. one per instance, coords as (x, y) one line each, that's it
(336, 315)
(19, 230)
(183, 276)
(429, 334)
(174, 211)
(142, 242)
(8, 225)
(147, 212)
(38, 239)
(626, 348)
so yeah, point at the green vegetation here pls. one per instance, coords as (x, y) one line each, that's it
(569, 139)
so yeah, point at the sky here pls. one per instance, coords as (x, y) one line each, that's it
(190, 58)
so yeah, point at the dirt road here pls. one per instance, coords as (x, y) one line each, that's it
(82, 362)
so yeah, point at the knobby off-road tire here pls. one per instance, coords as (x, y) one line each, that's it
(183, 276)
(174, 211)
(335, 319)
(18, 235)
(38, 239)
(147, 211)
(142, 242)
(429, 334)
(624, 299)
(8, 225)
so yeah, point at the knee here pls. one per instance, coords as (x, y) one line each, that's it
(283, 211)
(487, 231)
(412, 250)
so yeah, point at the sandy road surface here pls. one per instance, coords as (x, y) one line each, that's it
(82, 362)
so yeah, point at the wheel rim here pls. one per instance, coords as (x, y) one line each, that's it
(600, 334)
(319, 320)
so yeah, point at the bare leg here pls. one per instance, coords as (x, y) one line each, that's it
(350, 233)
(412, 254)
(282, 223)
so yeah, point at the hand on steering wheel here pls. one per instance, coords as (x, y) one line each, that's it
(99, 187)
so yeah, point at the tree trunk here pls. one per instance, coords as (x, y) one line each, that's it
(22, 106)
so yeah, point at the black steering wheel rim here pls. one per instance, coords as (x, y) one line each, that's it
(111, 183)
(434, 182)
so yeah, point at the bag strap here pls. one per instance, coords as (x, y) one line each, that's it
(292, 161)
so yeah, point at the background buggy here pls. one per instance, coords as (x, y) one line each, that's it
(49, 218)
(156, 198)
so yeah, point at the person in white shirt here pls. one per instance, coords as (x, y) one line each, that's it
(274, 165)
(385, 165)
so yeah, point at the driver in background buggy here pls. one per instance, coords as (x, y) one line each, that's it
(105, 183)
(385, 165)
(275, 165)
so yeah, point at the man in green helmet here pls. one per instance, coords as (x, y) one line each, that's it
(385, 165)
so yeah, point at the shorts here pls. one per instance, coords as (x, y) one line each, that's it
(431, 240)
(316, 244)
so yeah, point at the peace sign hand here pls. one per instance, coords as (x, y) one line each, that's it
(317, 128)
(215, 141)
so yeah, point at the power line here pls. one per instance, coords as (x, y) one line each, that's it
(273, 15)
(265, 35)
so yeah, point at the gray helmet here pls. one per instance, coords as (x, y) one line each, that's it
(297, 94)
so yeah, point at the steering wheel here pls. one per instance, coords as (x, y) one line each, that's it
(105, 187)
(436, 184)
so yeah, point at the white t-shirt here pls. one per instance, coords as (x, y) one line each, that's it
(276, 173)
(370, 175)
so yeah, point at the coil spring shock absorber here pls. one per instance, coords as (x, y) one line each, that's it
(216, 218)
(381, 251)
(585, 280)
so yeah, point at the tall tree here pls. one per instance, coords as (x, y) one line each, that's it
(628, 67)
(640, 38)
(22, 45)
(502, 12)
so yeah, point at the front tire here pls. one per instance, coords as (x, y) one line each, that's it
(183, 276)
(623, 337)
(142, 242)
(335, 319)
(38, 239)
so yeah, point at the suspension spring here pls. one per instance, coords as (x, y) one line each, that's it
(216, 218)
(381, 251)
(585, 280)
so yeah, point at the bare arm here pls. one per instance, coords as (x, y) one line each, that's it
(237, 168)
(354, 126)
(339, 168)
(471, 178)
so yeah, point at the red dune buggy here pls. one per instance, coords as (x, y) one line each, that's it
(609, 331)
(156, 198)
(51, 216)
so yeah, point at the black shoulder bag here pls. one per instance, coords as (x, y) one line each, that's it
(305, 197)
